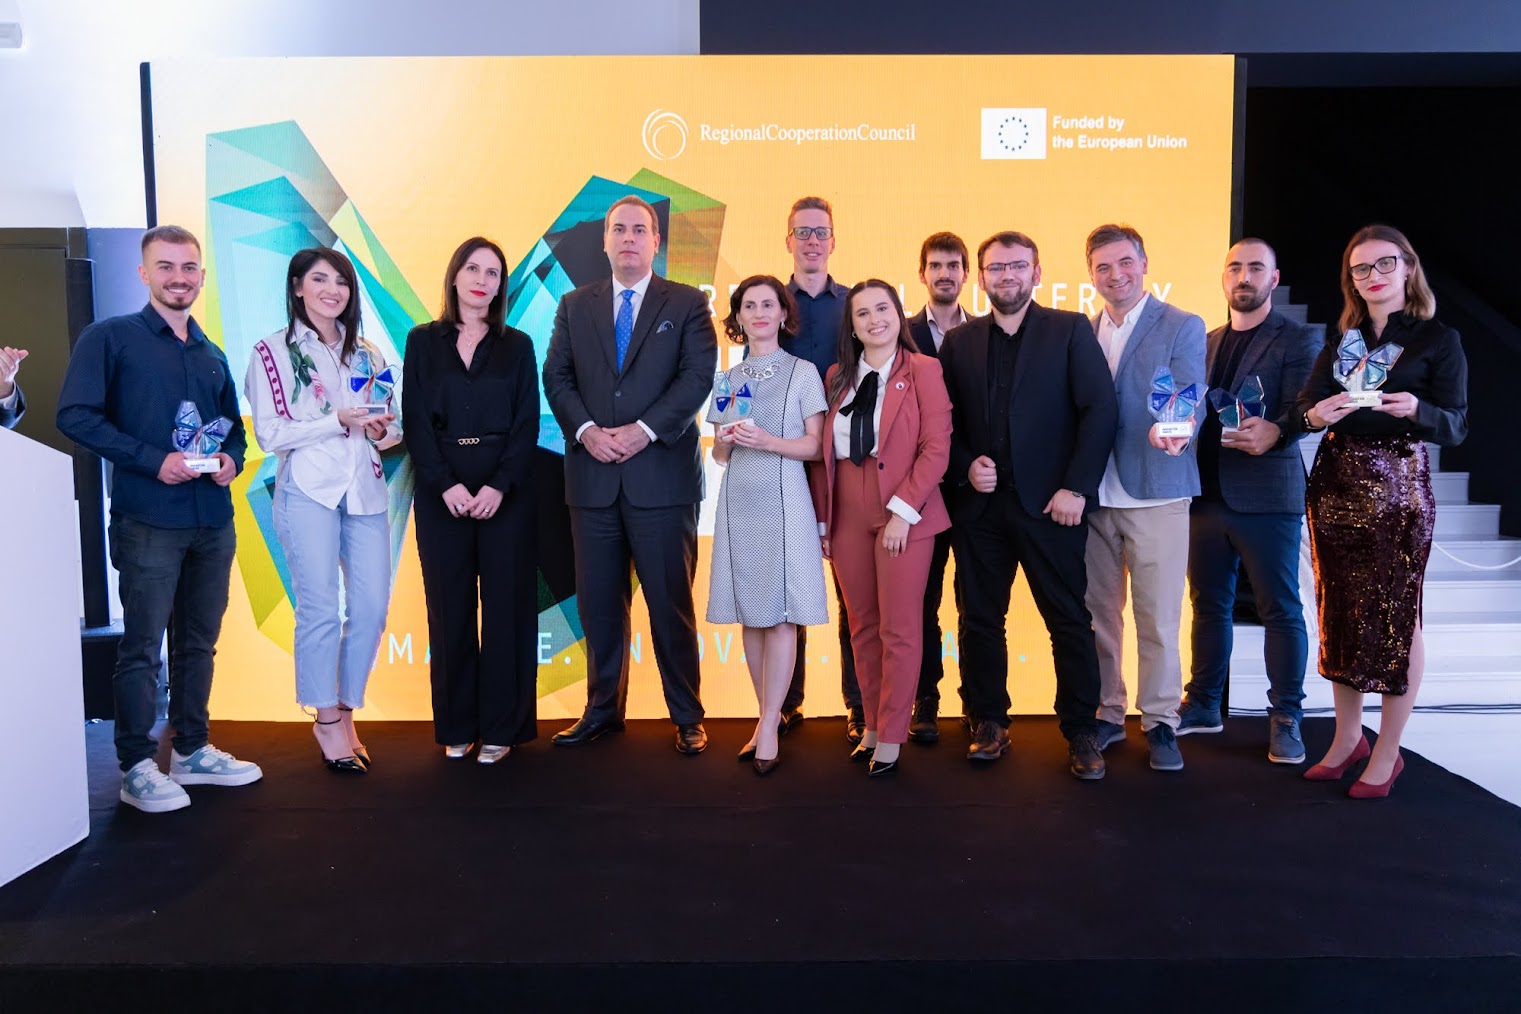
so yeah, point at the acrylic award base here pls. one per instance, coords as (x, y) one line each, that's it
(1175, 429)
(372, 410)
(1364, 399)
(206, 466)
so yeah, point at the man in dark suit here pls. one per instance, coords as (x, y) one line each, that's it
(1033, 379)
(1251, 504)
(630, 363)
(12, 401)
(943, 263)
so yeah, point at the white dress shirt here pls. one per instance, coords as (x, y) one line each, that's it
(326, 460)
(841, 431)
(9, 401)
(639, 288)
(934, 326)
(1112, 339)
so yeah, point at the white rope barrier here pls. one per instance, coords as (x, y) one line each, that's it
(1473, 566)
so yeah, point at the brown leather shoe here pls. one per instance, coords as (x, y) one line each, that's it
(691, 738)
(925, 727)
(989, 742)
(1084, 758)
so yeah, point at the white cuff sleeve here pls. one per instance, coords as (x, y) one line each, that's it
(903, 510)
(647, 431)
(9, 401)
(823, 529)
(582, 429)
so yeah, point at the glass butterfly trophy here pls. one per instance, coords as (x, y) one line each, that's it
(725, 399)
(199, 443)
(1173, 407)
(1362, 372)
(374, 388)
(1234, 409)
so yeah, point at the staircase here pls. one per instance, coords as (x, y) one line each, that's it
(1472, 602)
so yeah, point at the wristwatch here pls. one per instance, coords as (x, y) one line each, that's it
(1075, 493)
(1308, 428)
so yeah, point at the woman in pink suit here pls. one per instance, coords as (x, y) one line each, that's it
(887, 438)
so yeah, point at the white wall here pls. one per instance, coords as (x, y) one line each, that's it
(70, 127)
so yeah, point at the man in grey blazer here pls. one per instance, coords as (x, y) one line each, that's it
(12, 401)
(1141, 526)
(630, 362)
(1251, 504)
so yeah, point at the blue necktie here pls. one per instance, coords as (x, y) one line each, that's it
(623, 326)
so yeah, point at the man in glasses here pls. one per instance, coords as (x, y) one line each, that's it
(1032, 422)
(943, 272)
(821, 308)
(1251, 502)
(1140, 530)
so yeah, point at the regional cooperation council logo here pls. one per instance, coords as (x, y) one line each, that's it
(665, 135)
(1014, 133)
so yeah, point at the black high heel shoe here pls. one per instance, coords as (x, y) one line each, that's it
(361, 751)
(349, 765)
(862, 753)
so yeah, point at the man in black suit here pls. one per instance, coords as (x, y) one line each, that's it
(12, 401)
(1034, 419)
(943, 263)
(630, 363)
(1249, 511)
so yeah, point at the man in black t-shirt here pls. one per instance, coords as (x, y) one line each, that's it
(1251, 504)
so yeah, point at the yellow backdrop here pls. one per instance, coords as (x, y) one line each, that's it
(431, 151)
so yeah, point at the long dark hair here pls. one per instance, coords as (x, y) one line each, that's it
(496, 312)
(1420, 302)
(732, 329)
(850, 348)
(295, 309)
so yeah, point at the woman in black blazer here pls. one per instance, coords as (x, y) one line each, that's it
(470, 389)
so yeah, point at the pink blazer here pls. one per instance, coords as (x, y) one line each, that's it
(913, 445)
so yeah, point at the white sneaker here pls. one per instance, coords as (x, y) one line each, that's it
(492, 754)
(210, 766)
(146, 787)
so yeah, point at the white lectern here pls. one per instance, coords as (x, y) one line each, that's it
(42, 749)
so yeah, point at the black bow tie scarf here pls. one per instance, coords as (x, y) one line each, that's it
(863, 407)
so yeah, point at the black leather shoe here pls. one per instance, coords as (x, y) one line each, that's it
(862, 753)
(1085, 759)
(855, 724)
(585, 731)
(691, 738)
(989, 743)
(746, 755)
(925, 727)
(791, 719)
(880, 769)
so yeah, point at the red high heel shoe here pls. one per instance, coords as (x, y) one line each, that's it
(1367, 790)
(1331, 772)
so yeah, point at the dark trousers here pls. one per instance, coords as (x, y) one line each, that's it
(172, 579)
(661, 545)
(989, 552)
(932, 668)
(1267, 546)
(483, 621)
(850, 687)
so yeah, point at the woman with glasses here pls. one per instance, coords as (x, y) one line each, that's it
(1369, 500)
(767, 572)
(470, 390)
(330, 501)
(887, 442)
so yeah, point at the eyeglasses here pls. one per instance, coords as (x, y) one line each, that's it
(804, 231)
(1006, 267)
(1385, 266)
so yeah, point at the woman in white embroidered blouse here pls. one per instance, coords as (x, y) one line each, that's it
(315, 408)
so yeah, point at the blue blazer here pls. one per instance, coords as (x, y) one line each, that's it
(1164, 336)
(10, 417)
(1280, 354)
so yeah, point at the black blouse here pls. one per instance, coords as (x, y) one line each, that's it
(495, 400)
(1432, 367)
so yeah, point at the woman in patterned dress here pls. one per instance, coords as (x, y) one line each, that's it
(767, 568)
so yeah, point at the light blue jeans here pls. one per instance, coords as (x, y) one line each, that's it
(337, 633)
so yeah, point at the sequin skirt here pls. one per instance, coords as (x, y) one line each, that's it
(1371, 514)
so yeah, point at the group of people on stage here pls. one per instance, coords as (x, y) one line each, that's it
(849, 432)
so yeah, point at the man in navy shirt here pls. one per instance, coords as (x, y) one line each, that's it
(171, 534)
(821, 308)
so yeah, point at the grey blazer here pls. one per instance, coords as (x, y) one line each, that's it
(1164, 336)
(10, 417)
(1280, 354)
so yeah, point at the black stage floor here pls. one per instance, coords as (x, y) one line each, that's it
(624, 874)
